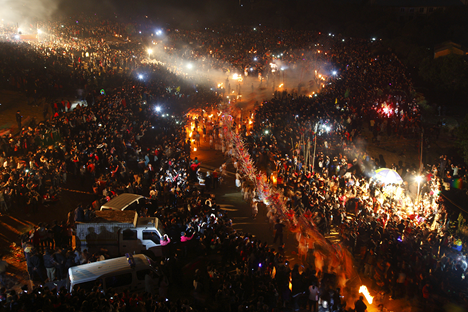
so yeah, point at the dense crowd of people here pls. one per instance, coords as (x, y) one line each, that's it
(401, 234)
(122, 142)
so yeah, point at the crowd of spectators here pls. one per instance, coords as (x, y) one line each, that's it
(402, 235)
(121, 143)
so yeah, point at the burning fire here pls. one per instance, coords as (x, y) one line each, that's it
(319, 261)
(281, 85)
(194, 149)
(363, 290)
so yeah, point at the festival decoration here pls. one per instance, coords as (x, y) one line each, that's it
(387, 176)
(303, 225)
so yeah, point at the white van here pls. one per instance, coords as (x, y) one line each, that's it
(125, 201)
(120, 274)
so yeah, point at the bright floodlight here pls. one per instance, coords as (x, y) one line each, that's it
(150, 51)
(189, 66)
(140, 76)
(158, 108)
(266, 131)
(39, 31)
(418, 179)
(255, 59)
(334, 73)
(235, 76)
(159, 32)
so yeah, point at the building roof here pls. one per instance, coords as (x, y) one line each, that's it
(448, 47)
(418, 3)
(447, 44)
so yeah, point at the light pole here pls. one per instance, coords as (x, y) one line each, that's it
(315, 146)
(282, 70)
(418, 179)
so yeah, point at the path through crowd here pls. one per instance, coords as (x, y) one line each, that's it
(230, 199)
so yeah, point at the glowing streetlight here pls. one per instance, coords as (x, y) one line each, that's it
(334, 73)
(189, 66)
(157, 109)
(150, 51)
(140, 76)
(159, 32)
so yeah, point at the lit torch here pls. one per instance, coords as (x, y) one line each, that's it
(363, 290)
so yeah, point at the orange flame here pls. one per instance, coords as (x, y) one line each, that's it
(319, 261)
(363, 290)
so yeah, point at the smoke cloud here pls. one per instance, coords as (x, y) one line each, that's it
(25, 12)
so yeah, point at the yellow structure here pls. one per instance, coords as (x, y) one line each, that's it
(447, 48)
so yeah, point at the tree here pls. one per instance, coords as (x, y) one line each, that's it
(462, 138)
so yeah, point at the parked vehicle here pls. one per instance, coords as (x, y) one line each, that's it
(120, 274)
(120, 232)
(125, 201)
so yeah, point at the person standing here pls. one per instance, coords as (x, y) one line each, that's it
(18, 119)
(278, 232)
(313, 297)
(150, 284)
(254, 209)
(359, 305)
(50, 265)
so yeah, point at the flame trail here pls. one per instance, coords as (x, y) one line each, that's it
(363, 290)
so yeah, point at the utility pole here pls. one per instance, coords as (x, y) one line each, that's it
(315, 146)
(421, 157)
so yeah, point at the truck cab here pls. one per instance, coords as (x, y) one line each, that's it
(146, 235)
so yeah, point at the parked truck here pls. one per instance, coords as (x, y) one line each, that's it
(120, 232)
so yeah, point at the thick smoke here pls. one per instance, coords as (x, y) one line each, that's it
(25, 13)
(204, 72)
